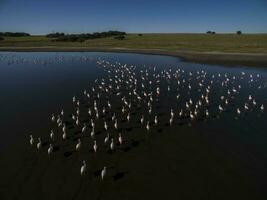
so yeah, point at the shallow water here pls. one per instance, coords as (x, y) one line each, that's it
(35, 85)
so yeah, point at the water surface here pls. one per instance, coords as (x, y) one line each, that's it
(35, 85)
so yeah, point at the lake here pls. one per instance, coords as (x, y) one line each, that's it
(216, 156)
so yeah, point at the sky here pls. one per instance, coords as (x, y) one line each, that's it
(133, 16)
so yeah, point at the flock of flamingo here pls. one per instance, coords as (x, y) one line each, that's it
(135, 94)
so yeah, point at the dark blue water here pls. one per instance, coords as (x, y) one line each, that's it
(223, 156)
(35, 85)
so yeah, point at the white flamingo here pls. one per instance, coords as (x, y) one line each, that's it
(78, 145)
(120, 139)
(39, 144)
(147, 126)
(156, 120)
(52, 135)
(83, 168)
(31, 140)
(64, 136)
(106, 139)
(112, 145)
(84, 128)
(50, 149)
(103, 173)
(95, 146)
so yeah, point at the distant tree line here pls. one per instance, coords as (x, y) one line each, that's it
(62, 37)
(11, 34)
(212, 32)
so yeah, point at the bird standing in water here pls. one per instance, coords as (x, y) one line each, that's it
(103, 173)
(50, 149)
(31, 140)
(83, 168)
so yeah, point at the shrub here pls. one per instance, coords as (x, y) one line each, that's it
(238, 32)
(140, 34)
(1, 38)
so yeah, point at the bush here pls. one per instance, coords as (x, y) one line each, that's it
(1, 38)
(140, 34)
(238, 32)
(120, 37)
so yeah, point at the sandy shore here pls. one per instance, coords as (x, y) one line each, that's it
(222, 58)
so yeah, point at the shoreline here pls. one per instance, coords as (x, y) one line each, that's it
(219, 58)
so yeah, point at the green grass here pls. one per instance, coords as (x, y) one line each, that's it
(246, 43)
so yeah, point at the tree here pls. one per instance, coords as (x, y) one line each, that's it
(1, 38)
(238, 32)
(208, 32)
(140, 34)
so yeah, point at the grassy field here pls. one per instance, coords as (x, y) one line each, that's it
(230, 43)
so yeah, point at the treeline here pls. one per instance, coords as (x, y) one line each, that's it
(62, 37)
(11, 34)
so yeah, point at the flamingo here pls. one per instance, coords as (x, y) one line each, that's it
(84, 128)
(147, 126)
(52, 135)
(112, 145)
(120, 139)
(142, 120)
(156, 120)
(95, 146)
(105, 126)
(50, 149)
(78, 145)
(53, 118)
(106, 138)
(103, 173)
(171, 120)
(39, 144)
(93, 132)
(64, 136)
(83, 168)
(116, 124)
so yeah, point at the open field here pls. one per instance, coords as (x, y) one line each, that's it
(247, 43)
(246, 49)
